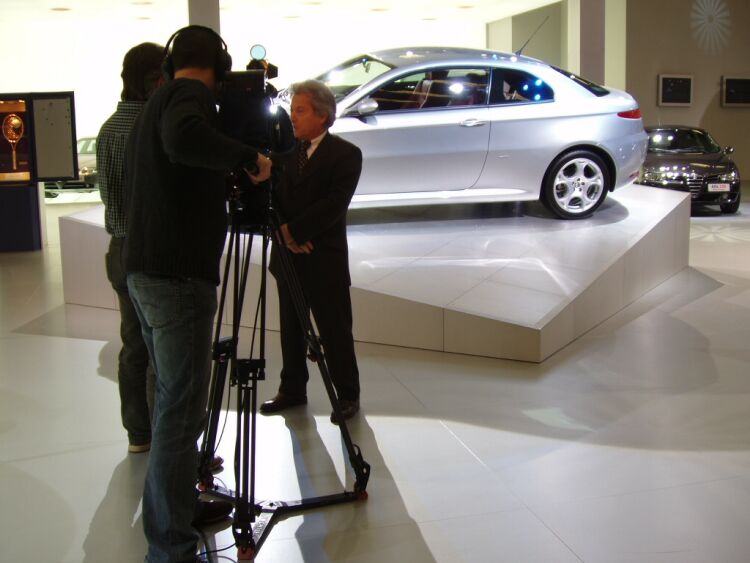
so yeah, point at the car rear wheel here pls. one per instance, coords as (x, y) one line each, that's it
(575, 184)
(732, 207)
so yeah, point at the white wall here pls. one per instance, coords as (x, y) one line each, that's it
(704, 39)
(57, 53)
(305, 48)
(62, 55)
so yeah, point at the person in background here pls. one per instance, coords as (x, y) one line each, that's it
(141, 75)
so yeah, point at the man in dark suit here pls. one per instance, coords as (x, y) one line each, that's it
(312, 198)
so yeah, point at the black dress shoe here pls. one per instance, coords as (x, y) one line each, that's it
(281, 402)
(348, 410)
(210, 512)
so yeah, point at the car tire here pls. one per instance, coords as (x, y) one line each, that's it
(576, 184)
(732, 207)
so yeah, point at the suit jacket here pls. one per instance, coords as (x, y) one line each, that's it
(314, 204)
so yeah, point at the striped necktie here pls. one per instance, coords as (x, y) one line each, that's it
(302, 155)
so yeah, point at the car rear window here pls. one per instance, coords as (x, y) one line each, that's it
(592, 87)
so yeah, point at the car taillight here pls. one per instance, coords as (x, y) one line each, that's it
(631, 114)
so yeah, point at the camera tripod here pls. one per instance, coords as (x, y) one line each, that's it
(253, 520)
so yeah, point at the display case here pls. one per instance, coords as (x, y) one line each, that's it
(38, 144)
(39, 138)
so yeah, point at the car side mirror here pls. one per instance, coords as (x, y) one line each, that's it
(729, 150)
(366, 107)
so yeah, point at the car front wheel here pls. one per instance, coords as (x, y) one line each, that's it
(576, 184)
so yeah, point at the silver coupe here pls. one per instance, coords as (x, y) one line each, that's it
(442, 125)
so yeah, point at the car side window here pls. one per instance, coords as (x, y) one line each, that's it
(511, 86)
(444, 87)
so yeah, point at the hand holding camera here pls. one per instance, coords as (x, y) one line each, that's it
(262, 170)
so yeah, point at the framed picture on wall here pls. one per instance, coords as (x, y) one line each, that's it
(675, 90)
(735, 91)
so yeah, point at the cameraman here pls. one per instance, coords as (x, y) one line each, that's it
(176, 160)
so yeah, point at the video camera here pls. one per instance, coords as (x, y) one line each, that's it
(249, 113)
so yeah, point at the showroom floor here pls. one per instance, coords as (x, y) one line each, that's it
(632, 444)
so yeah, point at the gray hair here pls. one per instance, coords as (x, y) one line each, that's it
(321, 98)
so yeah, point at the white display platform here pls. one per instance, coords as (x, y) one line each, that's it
(498, 280)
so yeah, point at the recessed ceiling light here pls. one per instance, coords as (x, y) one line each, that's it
(61, 9)
(429, 19)
(141, 3)
(291, 17)
(312, 3)
(378, 9)
(466, 7)
(143, 18)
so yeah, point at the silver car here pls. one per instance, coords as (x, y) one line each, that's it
(461, 125)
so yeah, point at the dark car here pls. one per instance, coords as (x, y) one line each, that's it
(689, 160)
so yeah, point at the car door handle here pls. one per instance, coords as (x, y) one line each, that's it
(472, 123)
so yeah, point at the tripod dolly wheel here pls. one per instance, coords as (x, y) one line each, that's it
(246, 553)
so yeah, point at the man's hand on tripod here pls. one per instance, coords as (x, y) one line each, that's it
(264, 165)
(291, 244)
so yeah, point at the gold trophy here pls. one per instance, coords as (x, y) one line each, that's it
(13, 132)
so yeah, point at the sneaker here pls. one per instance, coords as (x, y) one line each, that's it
(139, 448)
(210, 512)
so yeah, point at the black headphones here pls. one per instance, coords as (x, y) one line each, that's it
(222, 64)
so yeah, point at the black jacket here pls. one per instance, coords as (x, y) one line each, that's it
(314, 205)
(175, 164)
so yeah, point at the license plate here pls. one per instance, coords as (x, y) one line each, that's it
(718, 187)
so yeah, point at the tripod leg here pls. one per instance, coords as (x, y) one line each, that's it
(359, 465)
(222, 353)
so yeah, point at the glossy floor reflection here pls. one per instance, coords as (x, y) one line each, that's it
(632, 444)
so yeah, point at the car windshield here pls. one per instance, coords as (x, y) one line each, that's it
(349, 76)
(681, 141)
(87, 145)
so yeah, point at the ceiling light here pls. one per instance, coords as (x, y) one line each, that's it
(379, 9)
(60, 9)
(466, 7)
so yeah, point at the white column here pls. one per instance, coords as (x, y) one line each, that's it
(592, 40)
(571, 16)
(615, 43)
(206, 13)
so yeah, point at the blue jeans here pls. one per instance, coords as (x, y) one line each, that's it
(177, 318)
